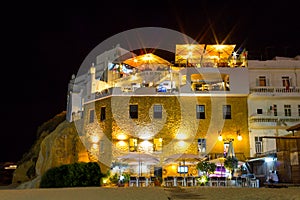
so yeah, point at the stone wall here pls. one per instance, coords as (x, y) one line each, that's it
(178, 126)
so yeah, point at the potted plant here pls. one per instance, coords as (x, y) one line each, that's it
(157, 181)
(126, 179)
(206, 167)
(231, 163)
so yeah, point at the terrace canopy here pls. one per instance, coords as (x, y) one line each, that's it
(147, 61)
(219, 51)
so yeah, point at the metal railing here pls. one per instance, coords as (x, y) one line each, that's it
(267, 89)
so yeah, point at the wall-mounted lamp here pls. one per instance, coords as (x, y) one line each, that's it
(239, 137)
(220, 138)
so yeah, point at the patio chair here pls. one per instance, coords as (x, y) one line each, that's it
(180, 181)
(189, 181)
(142, 181)
(152, 181)
(222, 181)
(213, 181)
(132, 181)
(253, 181)
(169, 180)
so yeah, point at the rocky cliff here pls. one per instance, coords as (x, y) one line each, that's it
(57, 143)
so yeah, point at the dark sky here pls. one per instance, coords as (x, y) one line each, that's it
(44, 44)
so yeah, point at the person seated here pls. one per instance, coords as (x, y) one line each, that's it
(273, 178)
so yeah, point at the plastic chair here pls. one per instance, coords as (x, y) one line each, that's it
(132, 181)
(169, 180)
(189, 181)
(142, 181)
(180, 181)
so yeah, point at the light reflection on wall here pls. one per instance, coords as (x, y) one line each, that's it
(182, 136)
(122, 136)
(94, 139)
(147, 146)
(95, 149)
(122, 145)
(181, 144)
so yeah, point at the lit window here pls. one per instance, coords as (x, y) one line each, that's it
(226, 147)
(133, 111)
(92, 116)
(200, 111)
(286, 81)
(258, 145)
(227, 112)
(132, 144)
(157, 144)
(262, 81)
(157, 111)
(202, 145)
(287, 110)
(102, 113)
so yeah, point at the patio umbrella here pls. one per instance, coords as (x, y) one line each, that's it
(183, 157)
(230, 152)
(220, 51)
(144, 61)
(139, 158)
(218, 161)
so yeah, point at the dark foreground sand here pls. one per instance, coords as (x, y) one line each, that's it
(151, 193)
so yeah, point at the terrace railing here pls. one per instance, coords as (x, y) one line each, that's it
(275, 90)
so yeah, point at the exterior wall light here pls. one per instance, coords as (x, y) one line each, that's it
(239, 137)
(220, 138)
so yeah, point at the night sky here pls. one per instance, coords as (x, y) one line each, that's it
(44, 44)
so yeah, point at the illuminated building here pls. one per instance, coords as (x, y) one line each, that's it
(273, 102)
(210, 97)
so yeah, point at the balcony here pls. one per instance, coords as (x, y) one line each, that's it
(269, 120)
(278, 91)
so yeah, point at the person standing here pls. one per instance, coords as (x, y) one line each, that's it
(273, 178)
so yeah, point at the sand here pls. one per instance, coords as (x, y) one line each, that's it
(151, 193)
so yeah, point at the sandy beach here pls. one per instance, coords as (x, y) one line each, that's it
(151, 193)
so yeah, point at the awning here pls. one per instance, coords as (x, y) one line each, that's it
(148, 59)
(219, 51)
(294, 128)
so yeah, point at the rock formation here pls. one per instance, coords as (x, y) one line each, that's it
(57, 143)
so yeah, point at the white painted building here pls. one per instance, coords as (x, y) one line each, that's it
(273, 102)
(89, 81)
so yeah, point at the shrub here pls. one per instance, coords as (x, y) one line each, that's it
(72, 175)
(231, 163)
(206, 167)
(114, 179)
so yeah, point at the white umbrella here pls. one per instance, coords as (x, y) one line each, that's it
(218, 161)
(230, 152)
(184, 157)
(139, 158)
